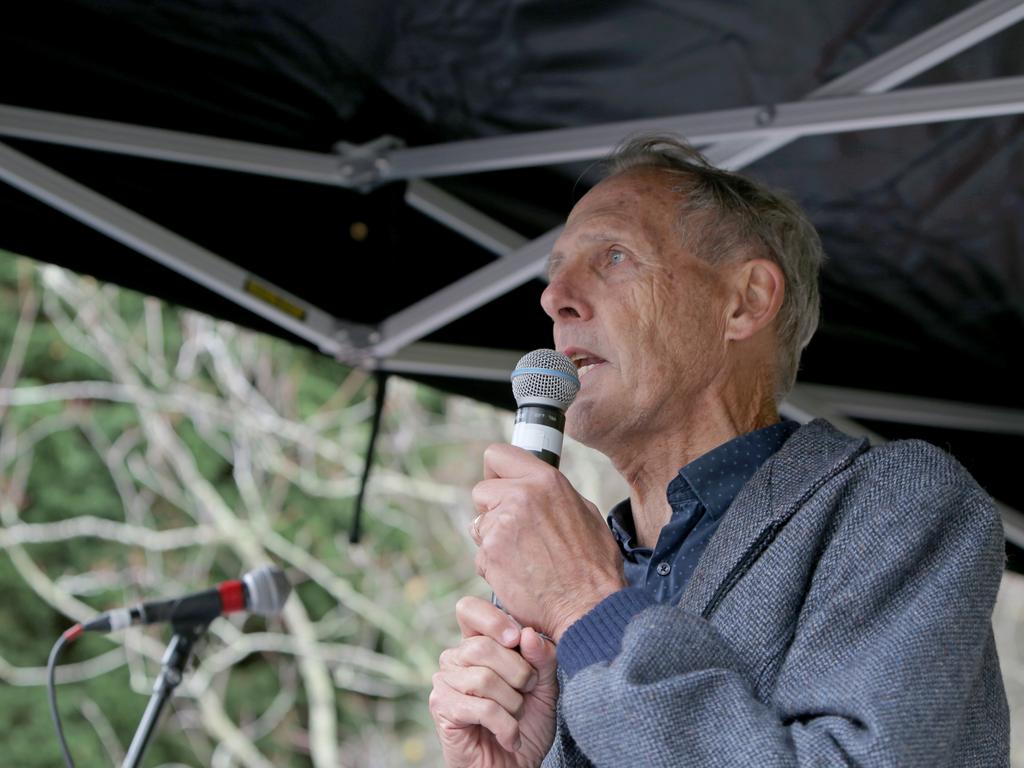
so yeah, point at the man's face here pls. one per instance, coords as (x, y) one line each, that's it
(641, 316)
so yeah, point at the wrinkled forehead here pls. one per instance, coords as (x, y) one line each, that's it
(636, 208)
(639, 194)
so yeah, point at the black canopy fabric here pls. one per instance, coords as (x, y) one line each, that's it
(923, 293)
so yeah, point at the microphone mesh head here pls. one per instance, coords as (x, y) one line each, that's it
(545, 376)
(268, 588)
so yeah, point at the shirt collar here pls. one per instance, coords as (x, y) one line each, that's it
(714, 479)
(717, 476)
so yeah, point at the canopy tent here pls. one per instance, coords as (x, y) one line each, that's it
(383, 180)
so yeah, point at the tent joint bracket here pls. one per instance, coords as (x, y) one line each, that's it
(356, 345)
(362, 166)
(765, 115)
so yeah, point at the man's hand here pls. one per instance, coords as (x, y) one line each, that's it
(493, 707)
(545, 550)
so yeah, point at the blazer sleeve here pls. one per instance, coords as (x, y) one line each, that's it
(894, 637)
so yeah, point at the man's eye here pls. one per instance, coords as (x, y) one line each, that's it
(615, 256)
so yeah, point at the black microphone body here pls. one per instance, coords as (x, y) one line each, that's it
(201, 607)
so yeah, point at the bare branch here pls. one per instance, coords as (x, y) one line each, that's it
(334, 653)
(66, 673)
(110, 530)
(22, 332)
(185, 401)
(95, 717)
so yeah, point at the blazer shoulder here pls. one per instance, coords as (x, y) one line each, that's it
(908, 503)
(820, 450)
(911, 464)
(920, 484)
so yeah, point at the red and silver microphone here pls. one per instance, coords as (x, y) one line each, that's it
(262, 591)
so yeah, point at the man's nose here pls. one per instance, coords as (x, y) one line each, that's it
(565, 297)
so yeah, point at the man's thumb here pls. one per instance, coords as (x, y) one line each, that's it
(540, 653)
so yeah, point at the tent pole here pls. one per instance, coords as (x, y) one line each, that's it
(922, 52)
(927, 412)
(841, 114)
(335, 337)
(172, 146)
(806, 403)
(464, 295)
(448, 210)
(789, 120)
(892, 68)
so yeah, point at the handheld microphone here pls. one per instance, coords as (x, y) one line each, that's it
(262, 591)
(544, 384)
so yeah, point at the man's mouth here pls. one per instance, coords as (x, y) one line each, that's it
(585, 362)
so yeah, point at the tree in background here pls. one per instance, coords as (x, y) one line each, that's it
(147, 452)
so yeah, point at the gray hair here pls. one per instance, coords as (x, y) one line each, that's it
(726, 217)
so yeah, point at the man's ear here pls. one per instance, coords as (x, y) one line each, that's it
(757, 288)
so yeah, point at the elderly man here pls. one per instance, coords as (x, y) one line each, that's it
(770, 594)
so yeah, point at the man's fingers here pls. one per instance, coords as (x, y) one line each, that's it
(484, 683)
(482, 651)
(539, 653)
(504, 460)
(476, 616)
(453, 709)
(487, 494)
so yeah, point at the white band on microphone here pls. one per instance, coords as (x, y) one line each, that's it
(537, 437)
(119, 619)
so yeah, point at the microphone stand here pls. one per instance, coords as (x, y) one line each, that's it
(173, 664)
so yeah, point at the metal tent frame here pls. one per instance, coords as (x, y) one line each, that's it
(732, 138)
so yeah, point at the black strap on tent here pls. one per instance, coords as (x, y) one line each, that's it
(381, 378)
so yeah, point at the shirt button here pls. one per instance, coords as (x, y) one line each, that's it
(664, 569)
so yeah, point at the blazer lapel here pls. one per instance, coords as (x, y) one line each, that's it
(812, 455)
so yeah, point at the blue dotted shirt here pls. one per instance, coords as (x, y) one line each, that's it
(699, 495)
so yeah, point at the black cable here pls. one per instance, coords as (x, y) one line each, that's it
(51, 688)
(382, 381)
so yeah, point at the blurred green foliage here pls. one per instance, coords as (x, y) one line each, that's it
(71, 442)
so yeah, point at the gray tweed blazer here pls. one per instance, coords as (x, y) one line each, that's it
(840, 616)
